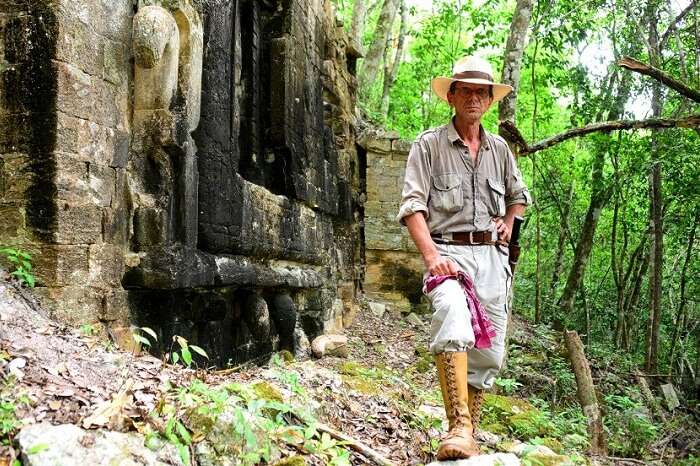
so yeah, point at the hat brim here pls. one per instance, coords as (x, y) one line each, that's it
(441, 86)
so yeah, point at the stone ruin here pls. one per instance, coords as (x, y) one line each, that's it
(185, 165)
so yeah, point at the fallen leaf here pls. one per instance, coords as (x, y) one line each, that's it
(112, 412)
(55, 405)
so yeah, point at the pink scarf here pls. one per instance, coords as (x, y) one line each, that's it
(482, 326)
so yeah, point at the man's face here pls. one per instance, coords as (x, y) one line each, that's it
(470, 100)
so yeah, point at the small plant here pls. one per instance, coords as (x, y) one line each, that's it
(184, 354)
(88, 330)
(21, 264)
(140, 333)
(10, 401)
(508, 385)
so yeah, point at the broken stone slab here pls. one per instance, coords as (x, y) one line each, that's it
(414, 320)
(670, 396)
(537, 454)
(47, 445)
(496, 459)
(378, 309)
(330, 345)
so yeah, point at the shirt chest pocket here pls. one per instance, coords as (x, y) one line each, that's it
(446, 194)
(497, 192)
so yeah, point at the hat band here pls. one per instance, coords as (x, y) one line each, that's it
(472, 75)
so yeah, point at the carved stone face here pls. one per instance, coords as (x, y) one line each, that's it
(470, 101)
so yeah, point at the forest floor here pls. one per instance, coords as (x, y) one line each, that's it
(383, 397)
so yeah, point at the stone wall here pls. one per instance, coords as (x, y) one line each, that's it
(394, 266)
(186, 165)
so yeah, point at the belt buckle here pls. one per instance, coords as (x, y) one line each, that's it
(447, 236)
(471, 237)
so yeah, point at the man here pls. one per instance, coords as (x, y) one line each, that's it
(462, 190)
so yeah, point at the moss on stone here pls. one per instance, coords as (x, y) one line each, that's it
(361, 384)
(505, 414)
(541, 459)
(266, 391)
(287, 356)
(554, 444)
(295, 460)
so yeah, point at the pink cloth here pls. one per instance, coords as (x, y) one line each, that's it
(481, 324)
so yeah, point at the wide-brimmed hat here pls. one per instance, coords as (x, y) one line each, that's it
(472, 70)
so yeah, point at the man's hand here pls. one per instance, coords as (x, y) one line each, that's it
(439, 265)
(503, 229)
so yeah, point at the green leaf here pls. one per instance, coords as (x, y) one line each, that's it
(38, 448)
(199, 351)
(149, 331)
(186, 356)
(142, 340)
(186, 438)
(175, 357)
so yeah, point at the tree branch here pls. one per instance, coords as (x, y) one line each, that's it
(514, 136)
(642, 68)
(671, 27)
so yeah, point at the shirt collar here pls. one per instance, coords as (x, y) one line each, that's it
(453, 135)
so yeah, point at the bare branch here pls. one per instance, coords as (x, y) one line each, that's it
(671, 27)
(514, 136)
(642, 68)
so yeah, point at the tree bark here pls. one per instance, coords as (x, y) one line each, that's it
(375, 53)
(656, 205)
(642, 68)
(513, 135)
(390, 71)
(559, 258)
(681, 316)
(512, 58)
(357, 24)
(585, 243)
(586, 392)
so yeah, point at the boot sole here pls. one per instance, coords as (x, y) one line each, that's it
(454, 452)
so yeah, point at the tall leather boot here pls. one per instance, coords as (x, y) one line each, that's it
(476, 399)
(459, 442)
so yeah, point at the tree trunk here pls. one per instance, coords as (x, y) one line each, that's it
(681, 314)
(634, 300)
(379, 43)
(586, 392)
(656, 205)
(359, 14)
(512, 58)
(559, 258)
(390, 71)
(585, 243)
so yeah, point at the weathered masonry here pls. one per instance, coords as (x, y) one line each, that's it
(185, 165)
(394, 267)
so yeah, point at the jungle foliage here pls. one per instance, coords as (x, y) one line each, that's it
(603, 182)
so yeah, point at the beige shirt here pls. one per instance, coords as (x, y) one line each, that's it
(442, 182)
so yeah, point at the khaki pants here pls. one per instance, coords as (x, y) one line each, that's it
(451, 328)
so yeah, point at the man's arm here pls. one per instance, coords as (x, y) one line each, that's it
(504, 225)
(434, 262)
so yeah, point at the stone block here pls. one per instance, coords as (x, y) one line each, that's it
(72, 305)
(91, 98)
(115, 307)
(91, 142)
(106, 265)
(116, 68)
(15, 179)
(12, 223)
(400, 149)
(79, 45)
(78, 224)
(378, 145)
(150, 227)
(58, 265)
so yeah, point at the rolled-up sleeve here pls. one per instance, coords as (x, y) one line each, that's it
(416, 187)
(516, 191)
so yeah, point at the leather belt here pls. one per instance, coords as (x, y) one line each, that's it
(468, 238)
